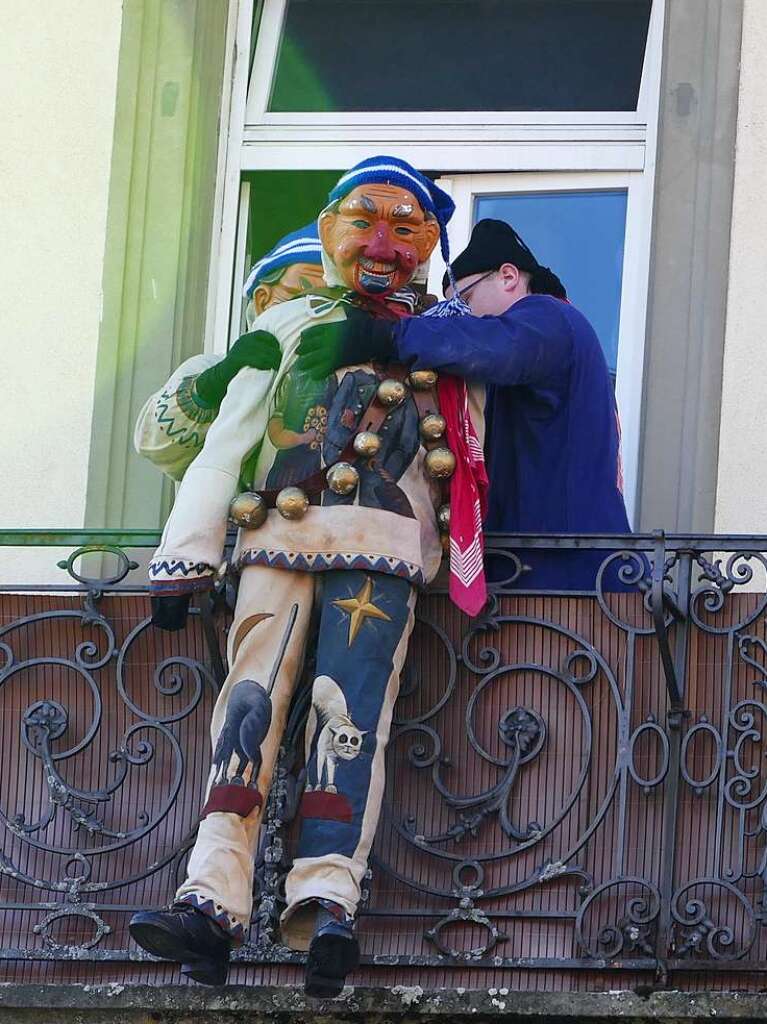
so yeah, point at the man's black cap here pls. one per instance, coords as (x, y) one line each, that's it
(493, 243)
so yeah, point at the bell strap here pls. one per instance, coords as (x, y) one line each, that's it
(371, 420)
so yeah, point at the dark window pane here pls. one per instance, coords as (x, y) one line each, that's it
(282, 201)
(580, 236)
(368, 55)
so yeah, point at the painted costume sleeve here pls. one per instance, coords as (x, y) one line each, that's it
(171, 428)
(529, 344)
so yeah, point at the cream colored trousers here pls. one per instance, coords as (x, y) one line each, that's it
(365, 620)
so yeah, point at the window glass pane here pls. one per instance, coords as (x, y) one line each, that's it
(375, 55)
(580, 236)
(281, 201)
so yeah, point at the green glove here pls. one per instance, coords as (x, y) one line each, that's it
(361, 338)
(259, 349)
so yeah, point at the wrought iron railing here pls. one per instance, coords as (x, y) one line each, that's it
(576, 780)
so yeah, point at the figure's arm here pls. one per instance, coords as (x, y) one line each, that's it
(529, 344)
(259, 350)
(171, 428)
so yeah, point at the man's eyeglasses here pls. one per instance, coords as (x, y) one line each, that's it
(467, 288)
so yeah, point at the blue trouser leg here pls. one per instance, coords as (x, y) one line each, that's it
(366, 620)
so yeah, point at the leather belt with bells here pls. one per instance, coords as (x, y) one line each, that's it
(371, 420)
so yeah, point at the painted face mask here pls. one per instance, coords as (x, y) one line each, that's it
(376, 237)
(289, 283)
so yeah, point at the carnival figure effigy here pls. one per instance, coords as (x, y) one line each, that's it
(344, 483)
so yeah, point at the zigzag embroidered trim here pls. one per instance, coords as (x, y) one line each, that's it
(178, 568)
(234, 928)
(189, 403)
(162, 573)
(324, 563)
(182, 436)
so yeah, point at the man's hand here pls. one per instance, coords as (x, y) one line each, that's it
(360, 338)
(259, 349)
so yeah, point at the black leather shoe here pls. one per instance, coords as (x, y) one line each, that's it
(333, 953)
(189, 937)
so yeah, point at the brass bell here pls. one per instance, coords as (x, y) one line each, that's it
(248, 510)
(432, 426)
(342, 478)
(422, 380)
(367, 443)
(292, 503)
(440, 463)
(443, 518)
(391, 392)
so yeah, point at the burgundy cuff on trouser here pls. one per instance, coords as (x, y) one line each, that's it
(231, 799)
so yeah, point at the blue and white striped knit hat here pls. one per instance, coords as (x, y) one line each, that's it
(302, 246)
(388, 170)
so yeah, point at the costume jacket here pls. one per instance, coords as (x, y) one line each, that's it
(274, 430)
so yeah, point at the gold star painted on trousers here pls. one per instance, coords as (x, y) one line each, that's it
(360, 607)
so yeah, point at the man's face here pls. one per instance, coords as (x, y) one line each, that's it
(297, 278)
(377, 237)
(490, 293)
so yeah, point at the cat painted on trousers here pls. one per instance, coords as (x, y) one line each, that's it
(338, 738)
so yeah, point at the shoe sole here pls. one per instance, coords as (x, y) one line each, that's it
(206, 972)
(331, 958)
(158, 942)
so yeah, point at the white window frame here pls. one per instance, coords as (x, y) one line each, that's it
(474, 150)
(445, 134)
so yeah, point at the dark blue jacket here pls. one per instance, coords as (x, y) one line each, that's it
(552, 434)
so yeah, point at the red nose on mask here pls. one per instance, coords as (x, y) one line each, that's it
(380, 246)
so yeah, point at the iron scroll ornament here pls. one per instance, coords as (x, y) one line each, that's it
(715, 915)
(56, 737)
(522, 731)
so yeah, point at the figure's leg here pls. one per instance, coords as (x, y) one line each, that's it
(365, 626)
(266, 648)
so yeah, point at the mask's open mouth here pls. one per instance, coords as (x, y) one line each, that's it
(376, 276)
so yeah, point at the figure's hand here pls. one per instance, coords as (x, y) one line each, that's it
(169, 612)
(360, 338)
(259, 349)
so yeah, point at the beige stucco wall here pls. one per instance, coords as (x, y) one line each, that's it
(741, 505)
(58, 73)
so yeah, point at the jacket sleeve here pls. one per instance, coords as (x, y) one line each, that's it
(171, 427)
(530, 344)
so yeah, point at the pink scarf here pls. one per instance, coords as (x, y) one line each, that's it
(469, 482)
(468, 498)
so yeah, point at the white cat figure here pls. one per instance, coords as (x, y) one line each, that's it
(338, 739)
